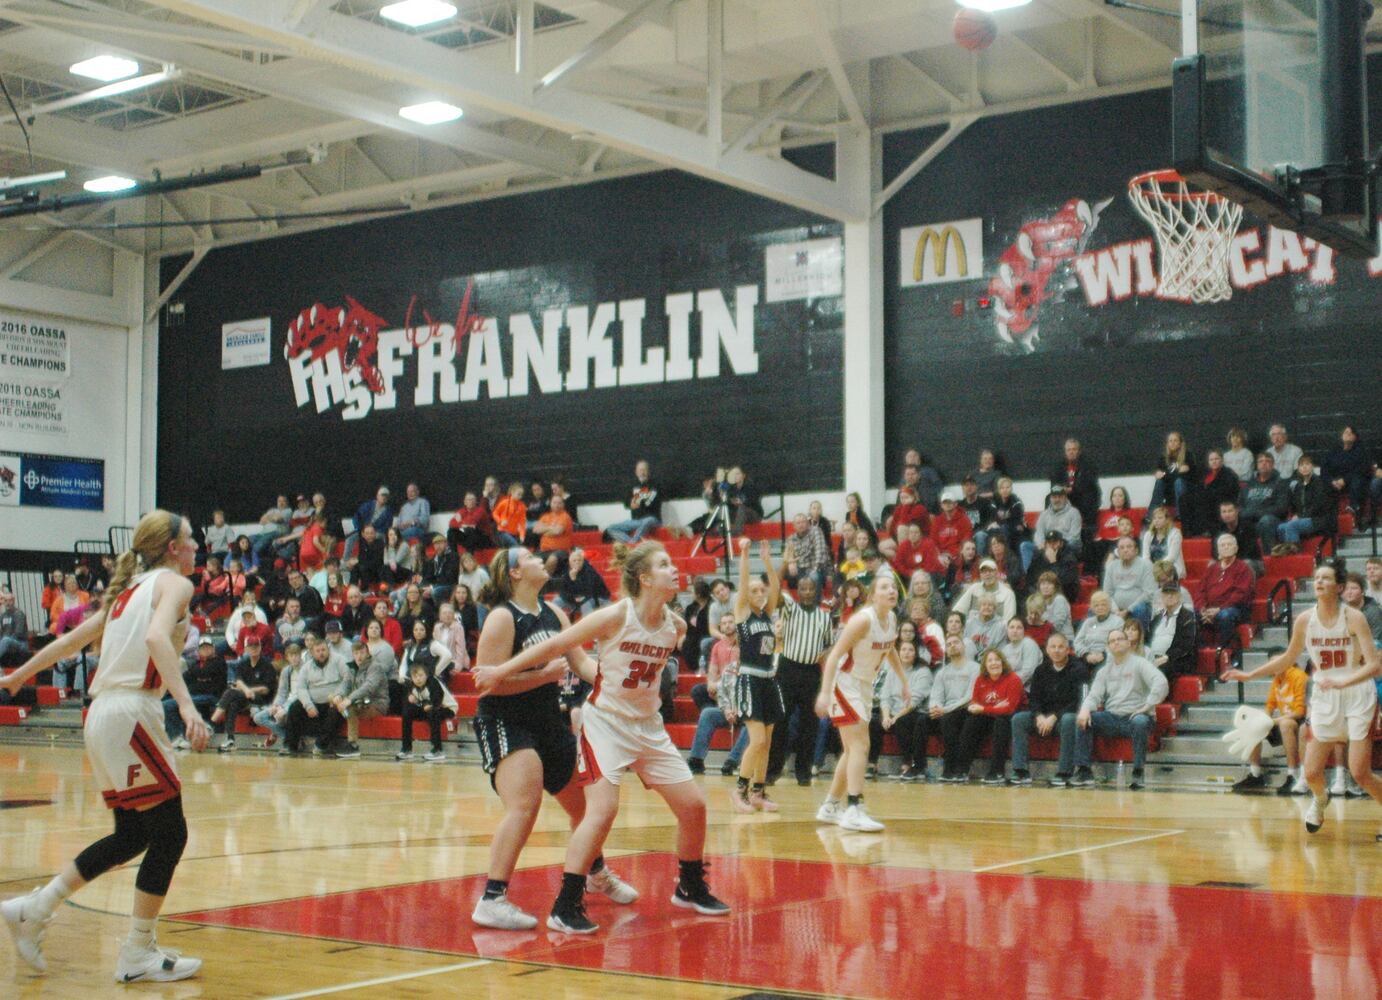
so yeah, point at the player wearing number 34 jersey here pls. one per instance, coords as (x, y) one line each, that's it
(621, 729)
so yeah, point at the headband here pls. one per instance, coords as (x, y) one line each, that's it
(175, 525)
(514, 555)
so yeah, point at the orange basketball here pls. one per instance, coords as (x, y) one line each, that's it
(974, 29)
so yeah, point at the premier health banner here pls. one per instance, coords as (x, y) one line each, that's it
(52, 481)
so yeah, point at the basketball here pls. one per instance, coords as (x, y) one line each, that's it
(974, 29)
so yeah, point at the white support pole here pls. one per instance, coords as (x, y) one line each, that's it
(523, 44)
(715, 74)
(859, 164)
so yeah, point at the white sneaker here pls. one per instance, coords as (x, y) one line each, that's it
(435, 757)
(153, 965)
(605, 881)
(502, 915)
(1338, 788)
(26, 931)
(829, 812)
(1355, 790)
(861, 822)
(1314, 814)
(181, 744)
(1300, 787)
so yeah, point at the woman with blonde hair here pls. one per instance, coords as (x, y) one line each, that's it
(526, 746)
(141, 625)
(621, 728)
(846, 698)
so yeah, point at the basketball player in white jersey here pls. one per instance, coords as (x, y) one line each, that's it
(622, 731)
(846, 698)
(142, 624)
(1343, 699)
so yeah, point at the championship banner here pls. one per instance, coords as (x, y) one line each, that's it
(52, 481)
(35, 361)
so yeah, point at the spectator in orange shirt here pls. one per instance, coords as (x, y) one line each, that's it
(555, 527)
(1286, 706)
(511, 517)
(68, 599)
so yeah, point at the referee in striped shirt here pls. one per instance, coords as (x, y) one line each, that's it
(806, 636)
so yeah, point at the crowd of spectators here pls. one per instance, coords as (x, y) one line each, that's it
(308, 628)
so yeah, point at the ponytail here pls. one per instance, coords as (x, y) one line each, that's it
(499, 588)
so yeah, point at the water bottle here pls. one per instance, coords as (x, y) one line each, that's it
(1122, 777)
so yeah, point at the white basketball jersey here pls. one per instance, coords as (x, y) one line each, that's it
(868, 652)
(630, 669)
(1332, 646)
(125, 662)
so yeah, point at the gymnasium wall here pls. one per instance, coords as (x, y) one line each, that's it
(660, 316)
(64, 417)
(1091, 347)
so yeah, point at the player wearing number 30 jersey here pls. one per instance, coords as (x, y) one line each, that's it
(621, 729)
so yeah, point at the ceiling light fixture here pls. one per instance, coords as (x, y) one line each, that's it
(418, 13)
(105, 68)
(110, 183)
(989, 6)
(430, 112)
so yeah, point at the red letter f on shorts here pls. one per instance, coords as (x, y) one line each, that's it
(132, 773)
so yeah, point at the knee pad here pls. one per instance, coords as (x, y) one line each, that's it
(127, 842)
(167, 836)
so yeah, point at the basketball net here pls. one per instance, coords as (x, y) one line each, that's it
(1194, 230)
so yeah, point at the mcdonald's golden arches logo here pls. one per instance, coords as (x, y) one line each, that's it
(941, 252)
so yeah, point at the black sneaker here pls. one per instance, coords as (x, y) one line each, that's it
(1286, 786)
(1084, 778)
(1139, 780)
(1059, 781)
(698, 898)
(348, 751)
(804, 782)
(994, 779)
(727, 768)
(227, 747)
(572, 921)
(1020, 777)
(696, 764)
(1249, 782)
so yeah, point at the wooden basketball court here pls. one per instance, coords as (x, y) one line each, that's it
(355, 879)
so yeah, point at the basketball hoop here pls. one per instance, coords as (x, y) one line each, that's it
(1194, 229)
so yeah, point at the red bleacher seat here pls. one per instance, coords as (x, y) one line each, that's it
(685, 682)
(462, 682)
(12, 715)
(1187, 688)
(1031, 518)
(1296, 567)
(683, 733)
(1197, 548)
(49, 696)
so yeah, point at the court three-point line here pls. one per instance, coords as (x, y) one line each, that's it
(1077, 850)
(383, 980)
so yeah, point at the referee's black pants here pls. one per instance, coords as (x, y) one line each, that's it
(800, 684)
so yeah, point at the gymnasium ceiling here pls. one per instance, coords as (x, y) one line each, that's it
(596, 89)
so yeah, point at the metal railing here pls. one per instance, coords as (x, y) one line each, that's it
(91, 547)
(1228, 655)
(1281, 613)
(121, 538)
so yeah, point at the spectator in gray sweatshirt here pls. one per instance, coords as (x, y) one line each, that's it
(1091, 641)
(1129, 582)
(1122, 702)
(1060, 516)
(1266, 502)
(984, 626)
(1057, 607)
(367, 696)
(310, 710)
(1022, 654)
(907, 720)
(951, 689)
(273, 716)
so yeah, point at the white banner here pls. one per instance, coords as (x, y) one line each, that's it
(28, 407)
(245, 343)
(34, 349)
(808, 270)
(942, 251)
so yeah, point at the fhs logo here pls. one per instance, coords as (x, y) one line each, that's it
(351, 331)
(1035, 269)
(9, 480)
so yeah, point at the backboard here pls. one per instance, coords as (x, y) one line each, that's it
(1269, 109)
